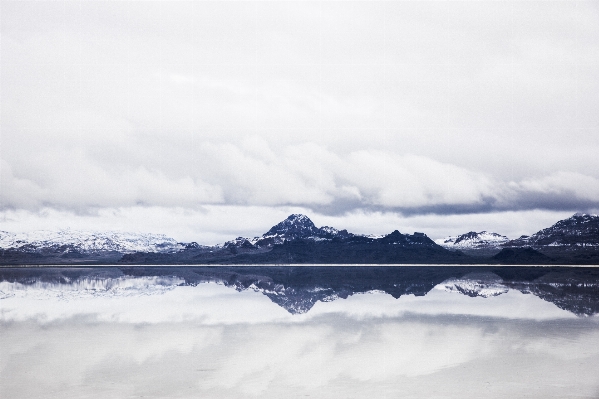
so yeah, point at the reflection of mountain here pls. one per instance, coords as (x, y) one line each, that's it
(297, 289)
(476, 284)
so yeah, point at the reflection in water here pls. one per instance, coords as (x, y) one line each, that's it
(281, 332)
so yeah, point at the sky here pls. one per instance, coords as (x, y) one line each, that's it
(211, 120)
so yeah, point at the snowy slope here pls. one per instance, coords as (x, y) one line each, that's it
(473, 240)
(295, 226)
(89, 242)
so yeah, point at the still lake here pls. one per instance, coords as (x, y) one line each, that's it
(297, 332)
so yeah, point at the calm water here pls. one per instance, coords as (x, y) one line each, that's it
(299, 332)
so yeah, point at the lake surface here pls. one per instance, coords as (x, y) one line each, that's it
(297, 332)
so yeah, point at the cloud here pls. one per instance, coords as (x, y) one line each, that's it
(251, 173)
(562, 184)
(128, 299)
(409, 108)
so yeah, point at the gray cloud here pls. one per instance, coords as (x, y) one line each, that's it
(306, 175)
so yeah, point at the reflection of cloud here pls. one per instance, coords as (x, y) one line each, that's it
(131, 299)
(323, 357)
(211, 303)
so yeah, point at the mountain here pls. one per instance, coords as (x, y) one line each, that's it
(394, 248)
(578, 231)
(89, 242)
(474, 241)
(574, 240)
(523, 256)
(294, 240)
(297, 240)
(294, 227)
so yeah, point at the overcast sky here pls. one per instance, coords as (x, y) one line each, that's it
(209, 120)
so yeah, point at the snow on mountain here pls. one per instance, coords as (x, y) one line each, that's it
(373, 236)
(473, 240)
(300, 227)
(89, 242)
(329, 230)
(579, 230)
(295, 226)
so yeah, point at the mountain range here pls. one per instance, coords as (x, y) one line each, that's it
(297, 240)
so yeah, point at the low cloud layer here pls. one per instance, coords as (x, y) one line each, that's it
(252, 173)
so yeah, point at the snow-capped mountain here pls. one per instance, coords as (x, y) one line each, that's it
(300, 226)
(578, 231)
(87, 242)
(473, 240)
(295, 226)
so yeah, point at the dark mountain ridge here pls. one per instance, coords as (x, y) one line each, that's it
(297, 240)
(578, 231)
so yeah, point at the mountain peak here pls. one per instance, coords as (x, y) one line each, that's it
(295, 224)
(299, 218)
(473, 240)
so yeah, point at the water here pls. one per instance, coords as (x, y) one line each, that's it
(330, 332)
